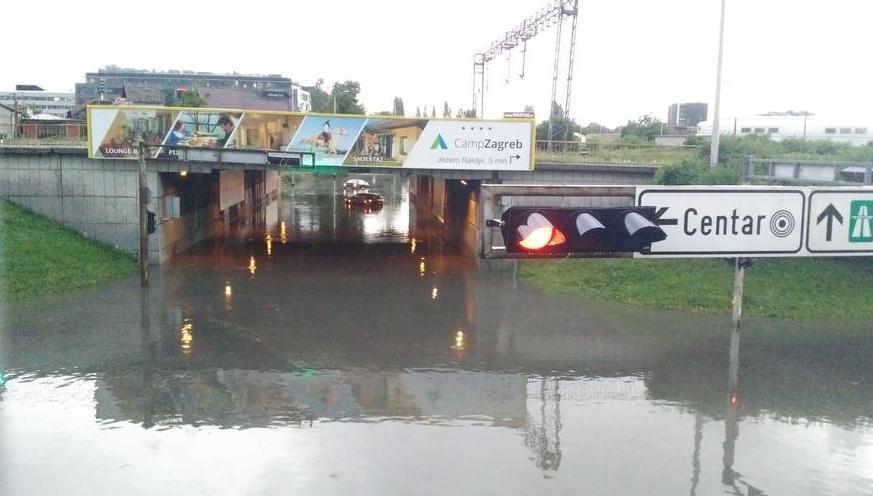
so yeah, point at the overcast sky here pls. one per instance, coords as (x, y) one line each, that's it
(632, 56)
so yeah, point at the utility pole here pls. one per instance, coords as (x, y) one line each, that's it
(143, 219)
(713, 151)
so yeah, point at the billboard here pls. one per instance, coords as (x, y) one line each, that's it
(205, 134)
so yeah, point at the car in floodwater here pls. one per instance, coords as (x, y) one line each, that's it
(355, 185)
(365, 199)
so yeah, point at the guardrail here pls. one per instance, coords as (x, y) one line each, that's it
(612, 152)
(794, 171)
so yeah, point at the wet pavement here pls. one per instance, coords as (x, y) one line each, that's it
(335, 351)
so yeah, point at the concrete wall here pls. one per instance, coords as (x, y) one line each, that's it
(455, 207)
(98, 198)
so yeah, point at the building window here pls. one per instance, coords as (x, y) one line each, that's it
(746, 130)
(759, 129)
(830, 130)
(860, 130)
(403, 145)
(773, 130)
(845, 130)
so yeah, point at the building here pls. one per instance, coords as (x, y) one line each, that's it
(34, 100)
(7, 122)
(136, 86)
(686, 115)
(804, 127)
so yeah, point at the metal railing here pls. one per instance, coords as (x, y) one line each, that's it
(612, 152)
(792, 171)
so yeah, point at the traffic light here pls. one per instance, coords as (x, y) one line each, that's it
(563, 231)
(151, 226)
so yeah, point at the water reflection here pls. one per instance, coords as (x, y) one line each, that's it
(351, 368)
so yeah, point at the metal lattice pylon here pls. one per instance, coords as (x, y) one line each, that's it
(554, 15)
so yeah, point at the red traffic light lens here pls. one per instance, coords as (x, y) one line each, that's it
(538, 233)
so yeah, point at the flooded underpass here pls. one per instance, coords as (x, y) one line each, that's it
(322, 349)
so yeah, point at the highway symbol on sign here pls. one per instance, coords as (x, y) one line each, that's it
(840, 222)
(859, 226)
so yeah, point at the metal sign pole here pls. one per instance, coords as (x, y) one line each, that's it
(143, 219)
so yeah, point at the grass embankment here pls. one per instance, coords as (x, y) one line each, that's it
(621, 154)
(783, 288)
(39, 256)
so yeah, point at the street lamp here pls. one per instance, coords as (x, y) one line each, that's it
(713, 151)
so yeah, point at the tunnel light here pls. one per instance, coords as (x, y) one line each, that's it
(253, 267)
(186, 336)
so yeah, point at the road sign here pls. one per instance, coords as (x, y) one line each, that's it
(840, 221)
(689, 221)
(518, 115)
(726, 221)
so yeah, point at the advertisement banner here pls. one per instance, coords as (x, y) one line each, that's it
(203, 134)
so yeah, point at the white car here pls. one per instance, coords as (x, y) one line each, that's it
(356, 184)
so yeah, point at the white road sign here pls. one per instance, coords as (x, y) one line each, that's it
(840, 221)
(725, 221)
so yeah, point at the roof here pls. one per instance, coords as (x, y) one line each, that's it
(243, 98)
(144, 93)
(44, 117)
(382, 125)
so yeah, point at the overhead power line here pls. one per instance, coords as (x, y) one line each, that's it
(553, 15)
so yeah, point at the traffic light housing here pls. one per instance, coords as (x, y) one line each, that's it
(595, 231)
(151, 225)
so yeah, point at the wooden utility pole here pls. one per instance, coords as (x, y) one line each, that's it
(143, 219)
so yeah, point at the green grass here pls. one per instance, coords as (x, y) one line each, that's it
(783, 288)
(39, 256)
(645, 155)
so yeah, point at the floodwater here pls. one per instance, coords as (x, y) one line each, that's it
(343, 352)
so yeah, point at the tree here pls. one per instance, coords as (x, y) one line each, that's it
(417, 111)
(447, 112)
(646, 127)
(320, 99)
(563, 129)
(595, 128)
(398, 106)
(345, 98)
(433, 111)
(190, 99)
(385, 112)
(469, 114)
(560, 129)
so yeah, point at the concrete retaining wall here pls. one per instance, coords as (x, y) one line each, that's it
(98, 198)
